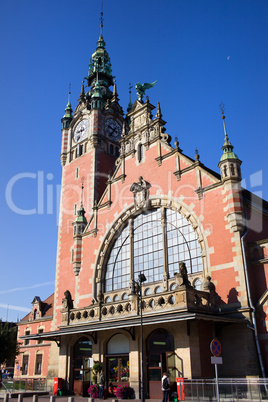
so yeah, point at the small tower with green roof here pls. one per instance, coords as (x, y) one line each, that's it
(231, 178)
(79, 226)
(229, 162)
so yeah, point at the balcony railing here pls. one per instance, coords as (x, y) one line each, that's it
(182, 299)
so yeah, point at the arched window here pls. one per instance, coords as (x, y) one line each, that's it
(148, 232)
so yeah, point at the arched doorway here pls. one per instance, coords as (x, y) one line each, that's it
(118, 360)
(159, 349)
(82, 352)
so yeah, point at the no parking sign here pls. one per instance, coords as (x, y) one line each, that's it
(215, 347)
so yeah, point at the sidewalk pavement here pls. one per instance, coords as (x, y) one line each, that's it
(46, 398)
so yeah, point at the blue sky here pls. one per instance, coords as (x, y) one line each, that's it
(201, 52)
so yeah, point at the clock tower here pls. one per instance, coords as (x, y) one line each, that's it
(90, 147)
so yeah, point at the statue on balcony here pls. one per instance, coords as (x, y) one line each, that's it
(67, 302)
(208, 286)
(182, 276)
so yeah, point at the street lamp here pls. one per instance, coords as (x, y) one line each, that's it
(142, 278)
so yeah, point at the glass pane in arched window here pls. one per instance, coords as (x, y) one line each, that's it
(182, 244)
(118, 266)
(148, 246)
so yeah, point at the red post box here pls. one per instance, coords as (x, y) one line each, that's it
(57, 385)
(180, 388)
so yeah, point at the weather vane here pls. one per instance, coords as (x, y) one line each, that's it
(101, 18)
(221, 106)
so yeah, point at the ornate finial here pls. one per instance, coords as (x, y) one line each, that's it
(101, 18)
(68, 111)
(123, 134)
(158, 111)
(115, 88)
(197, 156)
(129, 90)
(130, 104)
(82, 93)
(221, 106)
(176, 142)
(82, 188)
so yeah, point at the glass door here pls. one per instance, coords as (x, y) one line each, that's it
(81, 366)
(157, 365)
(159, 345)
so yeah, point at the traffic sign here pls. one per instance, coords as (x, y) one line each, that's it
(215, 347)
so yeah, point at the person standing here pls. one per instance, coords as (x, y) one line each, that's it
(101, 384)
(165, 387)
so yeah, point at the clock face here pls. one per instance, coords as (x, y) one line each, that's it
(81, 130)
(113, 129)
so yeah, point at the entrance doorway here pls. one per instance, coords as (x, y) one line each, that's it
(160, 347)
(81, 366)
(117, 359)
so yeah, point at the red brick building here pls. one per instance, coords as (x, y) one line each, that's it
(134, 207)
(33, 358)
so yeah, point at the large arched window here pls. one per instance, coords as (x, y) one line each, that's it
(146, 235)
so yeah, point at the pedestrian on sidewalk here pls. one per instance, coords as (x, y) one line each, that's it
(165, 387)
(101, 384)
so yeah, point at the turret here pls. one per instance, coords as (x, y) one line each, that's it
(68, 117)
(229, 162)
(231, 178)
(66, 120)
(79, 225)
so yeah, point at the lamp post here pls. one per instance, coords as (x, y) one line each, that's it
(142, 279)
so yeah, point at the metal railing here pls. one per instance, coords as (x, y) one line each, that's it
(230, 389)
(24, 385)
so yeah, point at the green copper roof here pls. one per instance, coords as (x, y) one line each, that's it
(68, 109)
(227, 146)
(96, 91)
(100, 61)
(81, 212)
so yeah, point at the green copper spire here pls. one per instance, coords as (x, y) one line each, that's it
(100, 62)
(227, 146)
(67, 118)
(130, 104)
(81, 212)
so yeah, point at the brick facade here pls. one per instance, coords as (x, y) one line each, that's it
(153, 185)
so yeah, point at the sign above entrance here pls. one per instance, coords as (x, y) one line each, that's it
(215, 347)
